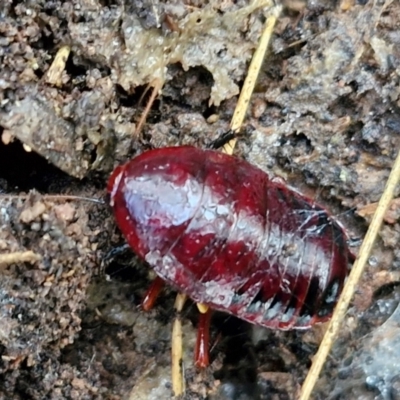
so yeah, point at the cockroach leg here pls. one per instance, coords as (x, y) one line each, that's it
(152, 293)
(203, 308)
(201, 354)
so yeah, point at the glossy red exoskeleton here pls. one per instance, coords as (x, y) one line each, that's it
(224, 233)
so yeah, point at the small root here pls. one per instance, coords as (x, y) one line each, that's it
(156, 89)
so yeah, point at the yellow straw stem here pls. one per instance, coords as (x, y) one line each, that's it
(178, 383)
(350, 286)
(251, 78)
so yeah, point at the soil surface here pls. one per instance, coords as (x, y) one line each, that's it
(74, 81)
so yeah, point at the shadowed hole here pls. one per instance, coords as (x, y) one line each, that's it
(308, 308)
(329, 298)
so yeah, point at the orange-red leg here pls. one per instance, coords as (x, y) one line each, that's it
(201, 354)
(152, 293)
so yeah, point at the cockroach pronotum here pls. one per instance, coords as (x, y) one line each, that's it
(228, 236)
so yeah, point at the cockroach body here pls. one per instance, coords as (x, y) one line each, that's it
(227, 235)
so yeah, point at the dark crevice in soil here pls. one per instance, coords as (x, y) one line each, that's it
(24, 171)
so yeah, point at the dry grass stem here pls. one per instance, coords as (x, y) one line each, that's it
(19, 257)
(351, 283)
(251, 78)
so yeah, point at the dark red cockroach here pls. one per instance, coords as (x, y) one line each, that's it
(227, 235)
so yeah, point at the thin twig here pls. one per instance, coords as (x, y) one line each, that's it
(350, 286)
(251, 78)
(52, 197)
(178, 382)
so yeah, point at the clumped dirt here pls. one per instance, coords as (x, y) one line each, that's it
(325, 116)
